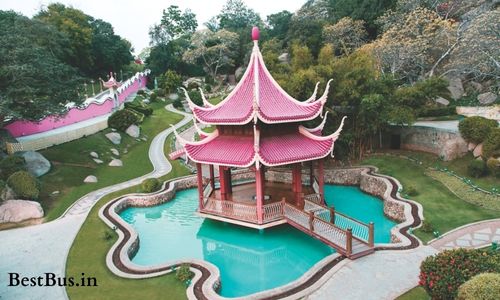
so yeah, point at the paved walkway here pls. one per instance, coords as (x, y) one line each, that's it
(474, 235)
(444, 125)
(35, 250)
(382, 275)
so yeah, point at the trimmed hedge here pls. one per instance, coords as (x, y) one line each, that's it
(11, 164)
(441, 275)
(476, 129)
(484, 286)
(437, 111)
(24, 185)
(493, 165)
(150, 185)
(122, 119)
(477, 168)
(178, 104)
(491, 146)
(145, 110)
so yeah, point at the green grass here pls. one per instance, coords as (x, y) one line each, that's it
(216, 100)
(442, 208)
(76, 162)
(416, 293)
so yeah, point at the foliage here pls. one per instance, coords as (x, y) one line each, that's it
(122, 119)
(24, 185)
(411, 190)
(437, 111)
(491, 146)
(476, 129)
(278, 24)
(178, 104)
(173, 25)
(493, 165)
(427, 227)
(306, 31)
(442, 274)
(213, 49)
(301, 57)
(346, 35)
(195, 96)
(34, 80)
(11, 164)
(477, 168)
(160, 92)
(143, 109)
(485, 286)
(183, 273)
(153, 97)
(150, 185)
(170, 81)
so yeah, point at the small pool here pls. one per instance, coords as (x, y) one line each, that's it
(249, 260)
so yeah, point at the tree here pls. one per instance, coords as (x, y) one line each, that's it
(174, 24)
(278, 24)
(347, 34)
(34, 80)
(75, 25)
(170, 81)
(213, 49)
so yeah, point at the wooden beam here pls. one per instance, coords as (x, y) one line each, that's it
(259, 195)
(311, 173)
(212, 176)
(371, 232)
(199, 174)
(348, 250)
(321, 180)
(223, 183)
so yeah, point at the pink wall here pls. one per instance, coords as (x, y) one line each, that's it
(74, 115)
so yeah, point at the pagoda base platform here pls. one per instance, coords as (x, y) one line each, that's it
(241, 223)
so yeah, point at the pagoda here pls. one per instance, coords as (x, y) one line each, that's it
(257, 140)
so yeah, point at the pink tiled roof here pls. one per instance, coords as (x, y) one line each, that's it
(223, 150)
(258, 96)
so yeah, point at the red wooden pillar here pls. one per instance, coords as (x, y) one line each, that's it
(321, 180)
(259, 194)
(311, 173)
(229, 184)
(212, 176)
(200, 185)
(223, 183)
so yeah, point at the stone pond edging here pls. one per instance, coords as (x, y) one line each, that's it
(207, 276)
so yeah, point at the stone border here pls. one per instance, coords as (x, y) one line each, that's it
(207, 276)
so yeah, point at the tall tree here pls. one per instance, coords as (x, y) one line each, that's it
(346, 35)
(34, 80)
(174, 24)
(278, 24)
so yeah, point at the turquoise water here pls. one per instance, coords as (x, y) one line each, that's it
(249, 260)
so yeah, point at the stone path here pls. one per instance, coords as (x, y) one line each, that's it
(35, 250)
(474, 235)
(382, 275)
(444, 125)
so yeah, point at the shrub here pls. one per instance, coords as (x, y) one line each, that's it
(195, 96)
(493, 165)
(476, 129)
(183, 273)
(143, 109)
(170, 81)
(11, 164)
(150, 185)
(153, 97)
(411, 190)
(437, 111)
(491, 146)
(160, 92)
(427, 227)
(484, 286)
(442, 274)
(209, 79)
(107, 235)
(193, 85)
(178, 104)
(208, 88)
(141, 92)
(24, 185)
(122, 119)
(477, 168)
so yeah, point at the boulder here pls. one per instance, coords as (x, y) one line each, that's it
(231, 79)
(133, 130)
(8, 194)
(55, 193)
(284, 57)
(94, 154)
(456, 88)
(114, 152)
(239, 72)
(36, 164)
(453, 148)
(114, 137)
(471, 146)
(90, 179)
(173, 96)
(116, 163)
(146, 101)
(442, 101)
(478, 151)
(97, 161)
(476, 86)
(487, 98)
(20, 210)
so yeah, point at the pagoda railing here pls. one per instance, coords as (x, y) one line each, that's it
(315, 198)
(241, 211)
(272, 212)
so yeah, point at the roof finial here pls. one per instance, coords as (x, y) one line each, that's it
(255, 33)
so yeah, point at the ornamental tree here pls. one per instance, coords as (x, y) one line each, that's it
(346, 35)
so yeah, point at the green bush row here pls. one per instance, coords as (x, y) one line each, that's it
(24, 185)
(437, 111)
(145, 110)
(122, 119)
(150, 185)
(476, 129)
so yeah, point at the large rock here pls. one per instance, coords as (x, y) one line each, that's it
(239, 72)
(487, 98)
(284, 57)
(476, 86)
(97, 161)
(133, 130)
(116, 163)
(94, 154)
(8, 194)
(90, 179)
(442, 101)
(114, 152)
(173, 96)
(36, 164)
(20, 210)
(456, 88)
(478, 151)
(453, 148)
(471, 146)
(114, 137)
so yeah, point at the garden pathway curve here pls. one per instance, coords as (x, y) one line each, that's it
(35, 250)
(475, 235)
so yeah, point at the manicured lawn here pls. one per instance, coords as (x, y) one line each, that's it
(88, 255)
(216, 100)
(416, 293)
(72, 162)
(442, 208)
